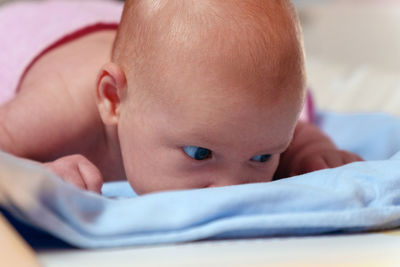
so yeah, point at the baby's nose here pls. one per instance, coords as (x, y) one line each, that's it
(229, 179)
(227, 183)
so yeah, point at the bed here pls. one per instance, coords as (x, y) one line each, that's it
(353, 63)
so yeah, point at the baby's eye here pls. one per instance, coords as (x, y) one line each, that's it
(197, 153)
(261, 158)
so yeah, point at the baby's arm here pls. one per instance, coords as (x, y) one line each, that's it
(47, 123)
(311, 150)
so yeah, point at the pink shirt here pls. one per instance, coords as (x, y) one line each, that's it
(29, 29)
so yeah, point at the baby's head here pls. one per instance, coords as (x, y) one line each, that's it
(203, 93)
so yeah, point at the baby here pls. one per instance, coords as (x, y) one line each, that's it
(195, 94)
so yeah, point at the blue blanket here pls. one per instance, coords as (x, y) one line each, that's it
(357, 197)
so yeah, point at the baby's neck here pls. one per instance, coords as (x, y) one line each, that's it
(109, 159)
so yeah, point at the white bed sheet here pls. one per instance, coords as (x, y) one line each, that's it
(377, 249)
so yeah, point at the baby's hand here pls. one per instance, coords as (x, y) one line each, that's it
(318, 159)
(311, 150)
(78, 170)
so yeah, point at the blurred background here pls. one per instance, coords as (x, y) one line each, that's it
(352, 53)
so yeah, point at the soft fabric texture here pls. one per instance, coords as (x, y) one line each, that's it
(31, 28)
(356, 197)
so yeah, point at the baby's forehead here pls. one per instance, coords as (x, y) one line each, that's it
(224, 103)
(223, 120)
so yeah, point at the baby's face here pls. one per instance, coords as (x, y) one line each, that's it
(214, 91)
(214, 127)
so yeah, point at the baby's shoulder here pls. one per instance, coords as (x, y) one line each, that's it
(73, 65)
(57, 99)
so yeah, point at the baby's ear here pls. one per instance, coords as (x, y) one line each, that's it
(111, 88)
